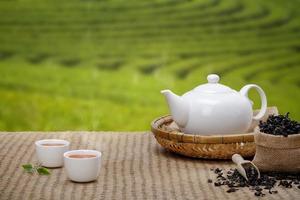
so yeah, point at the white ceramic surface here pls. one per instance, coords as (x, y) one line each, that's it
(51, 156)
(214, 109)
(82, 169)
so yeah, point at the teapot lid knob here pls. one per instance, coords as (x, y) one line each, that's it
(213, 78)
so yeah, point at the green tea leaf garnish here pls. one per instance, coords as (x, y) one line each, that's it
(28, 168)
(42, 171)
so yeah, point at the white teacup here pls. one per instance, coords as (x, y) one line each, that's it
(50, 152)
(82, 165)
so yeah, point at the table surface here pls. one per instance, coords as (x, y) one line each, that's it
(134, 166)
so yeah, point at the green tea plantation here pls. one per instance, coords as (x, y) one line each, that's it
(100, 64)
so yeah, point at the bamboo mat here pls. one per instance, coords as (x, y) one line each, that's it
(134, 166)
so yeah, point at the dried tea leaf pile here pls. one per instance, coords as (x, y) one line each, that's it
(266, 184)
(280, 125)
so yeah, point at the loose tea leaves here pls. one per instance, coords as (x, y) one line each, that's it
(260, 187)
(231, 190)
(29, 168)
(280, 125)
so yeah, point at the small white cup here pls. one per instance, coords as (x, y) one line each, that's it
(82, 169)
(51, 156)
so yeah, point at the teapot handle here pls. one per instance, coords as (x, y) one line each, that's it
(244, 91)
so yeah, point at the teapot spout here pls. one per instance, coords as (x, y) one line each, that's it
(178, 107)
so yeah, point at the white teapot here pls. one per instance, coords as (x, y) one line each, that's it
(213, 108)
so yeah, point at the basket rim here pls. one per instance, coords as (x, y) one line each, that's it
(196, 139)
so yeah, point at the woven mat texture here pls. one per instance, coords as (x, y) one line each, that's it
(134, 166)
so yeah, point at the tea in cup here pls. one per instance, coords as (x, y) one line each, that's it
(82, 165)
(50, 152)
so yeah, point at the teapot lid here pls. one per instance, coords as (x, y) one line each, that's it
(213, 85)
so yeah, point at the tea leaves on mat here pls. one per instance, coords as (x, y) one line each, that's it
(267, 183)
(29, 168)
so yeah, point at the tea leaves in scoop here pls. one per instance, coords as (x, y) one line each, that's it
(251, 172)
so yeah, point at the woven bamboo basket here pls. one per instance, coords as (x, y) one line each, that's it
(169, 136)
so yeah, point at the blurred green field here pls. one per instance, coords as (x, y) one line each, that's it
(100, 64)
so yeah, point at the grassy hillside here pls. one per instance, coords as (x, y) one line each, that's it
(100, 64)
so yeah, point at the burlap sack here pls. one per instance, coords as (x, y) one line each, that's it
(277, 153)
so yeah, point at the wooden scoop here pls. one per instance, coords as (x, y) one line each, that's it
(246, 168)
